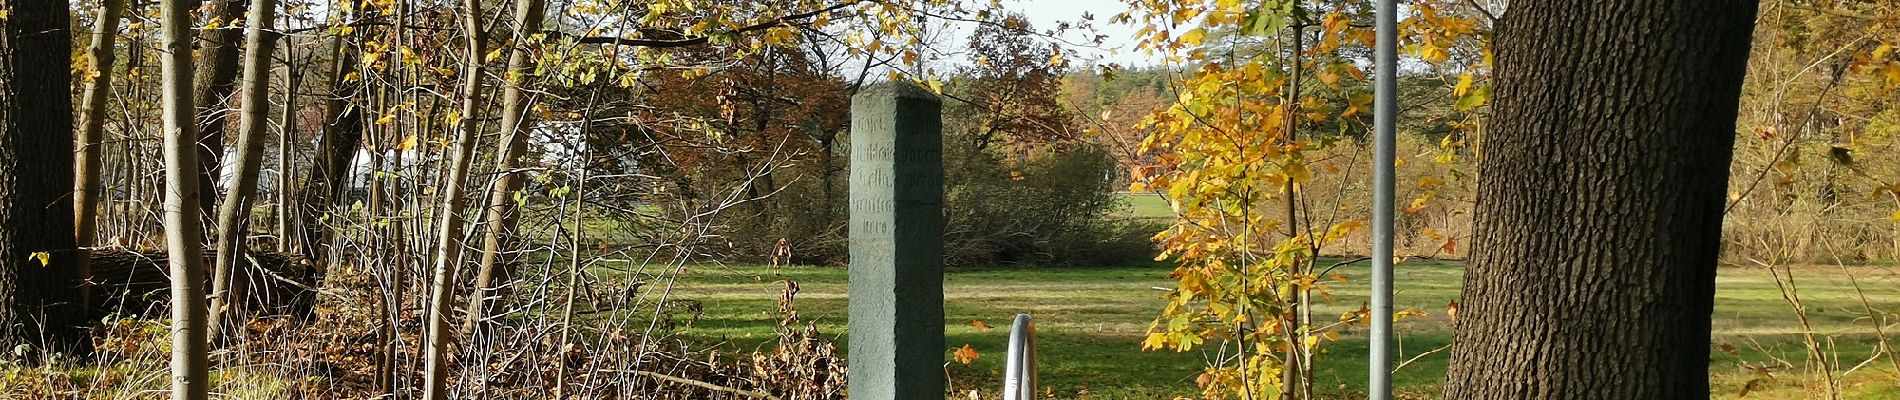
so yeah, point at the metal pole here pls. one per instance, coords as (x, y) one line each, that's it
(1019, 370)
(1384, 153)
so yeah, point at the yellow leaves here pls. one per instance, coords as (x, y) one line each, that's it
(1432, 53)
(45, 258)
(492, 55)
(386, 119)
(966, 355)
(1155, 341)
(1892, 72)
(1895, 217)
(936, 86)
(1409, 313)
(1297, 171)
(695, 72)
(1464, 84)
(1340, 230)
(779, 36)
(1329, 78)
(408, 55)
(1194, 37)
(1418, 204)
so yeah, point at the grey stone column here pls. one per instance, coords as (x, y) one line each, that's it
(896, 296)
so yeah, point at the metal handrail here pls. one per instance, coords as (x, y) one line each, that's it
(1019, 370)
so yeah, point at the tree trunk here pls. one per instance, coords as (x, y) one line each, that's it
(448, 246)
(285, 152)
(39, 283)
(258, 43)
(215, 81)
(184, 232)
(92, 129)
(514, 143)
(1599, 215)
(342, 131)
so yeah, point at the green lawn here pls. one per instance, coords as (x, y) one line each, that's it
(1147, 205)
(1091, 321)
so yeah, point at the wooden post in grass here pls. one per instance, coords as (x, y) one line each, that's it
(896, 295)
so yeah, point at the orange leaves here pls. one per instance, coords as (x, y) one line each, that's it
(966, 355)
(979, 325)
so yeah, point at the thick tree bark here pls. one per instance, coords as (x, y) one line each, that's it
(216, 79)
(92, 122)
(39, 281)
(236, 208)
(502, 217)
(184, 232)
(1599, 214)
(448, 246)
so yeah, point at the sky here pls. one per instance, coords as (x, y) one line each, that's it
(1047, 14)
(1118, 49)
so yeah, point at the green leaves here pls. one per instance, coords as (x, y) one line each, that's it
(1267, 17)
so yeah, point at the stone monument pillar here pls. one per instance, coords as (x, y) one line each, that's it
(896, 273)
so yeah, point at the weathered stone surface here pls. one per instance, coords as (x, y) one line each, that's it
(896, 295)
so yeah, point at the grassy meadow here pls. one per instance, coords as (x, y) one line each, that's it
(1091, 321)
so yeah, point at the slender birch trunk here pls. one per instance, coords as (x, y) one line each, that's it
(92, 128)
(448, 249)
(502, 217)
(184, 237)
(255, 118)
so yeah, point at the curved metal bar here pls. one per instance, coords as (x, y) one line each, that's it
(1019, 370)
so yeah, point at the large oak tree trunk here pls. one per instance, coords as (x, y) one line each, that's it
(1599, 214)
(39, 278)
